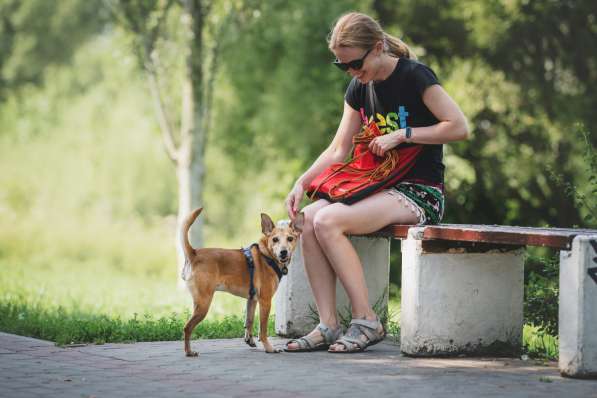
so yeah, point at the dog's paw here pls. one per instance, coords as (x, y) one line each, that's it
(273, 351)
(250, 341)
(192, 354)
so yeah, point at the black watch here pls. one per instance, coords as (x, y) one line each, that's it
(408, 132)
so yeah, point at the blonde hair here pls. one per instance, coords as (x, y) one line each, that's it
(355, 29)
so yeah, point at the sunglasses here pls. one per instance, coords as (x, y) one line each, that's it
(355, 64)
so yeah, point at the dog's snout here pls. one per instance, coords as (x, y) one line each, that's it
(284, 253)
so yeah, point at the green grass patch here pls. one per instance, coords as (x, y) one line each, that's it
(100, 283)
(72, 326)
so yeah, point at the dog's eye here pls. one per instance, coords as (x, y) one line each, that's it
(290, 239)
(275, 239)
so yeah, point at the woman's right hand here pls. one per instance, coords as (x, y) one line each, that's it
(293, 199)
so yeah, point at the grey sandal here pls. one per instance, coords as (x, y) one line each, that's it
(306, 343)
(353, 338)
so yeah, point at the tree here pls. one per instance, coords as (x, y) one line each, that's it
(177, 42)
(39, 33)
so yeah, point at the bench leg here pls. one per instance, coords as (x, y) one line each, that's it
(459, 301)
(294, 304)
(578, 309)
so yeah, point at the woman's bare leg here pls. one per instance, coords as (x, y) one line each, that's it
(332, 223)
(320, 273)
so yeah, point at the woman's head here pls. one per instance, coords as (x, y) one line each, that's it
(357, 36)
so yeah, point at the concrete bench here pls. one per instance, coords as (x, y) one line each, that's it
(462, 290)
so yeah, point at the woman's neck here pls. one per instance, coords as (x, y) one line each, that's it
(388, 64)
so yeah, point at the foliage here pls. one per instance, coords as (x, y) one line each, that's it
(37, 34)
(583, 197)
(541, 293)
(538, 343)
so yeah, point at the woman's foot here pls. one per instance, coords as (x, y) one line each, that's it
(361, 334)
(319, 339)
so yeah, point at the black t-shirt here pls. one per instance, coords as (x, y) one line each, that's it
(398, 104)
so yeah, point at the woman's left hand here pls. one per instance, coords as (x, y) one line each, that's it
(379, 145)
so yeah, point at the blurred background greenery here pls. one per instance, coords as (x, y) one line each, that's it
(88, 196)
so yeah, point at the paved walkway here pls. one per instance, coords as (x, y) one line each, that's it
(228, 368)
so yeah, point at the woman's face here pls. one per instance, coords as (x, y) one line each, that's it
(348, 54)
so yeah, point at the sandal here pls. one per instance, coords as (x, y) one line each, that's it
(307, 343)
(353, 338)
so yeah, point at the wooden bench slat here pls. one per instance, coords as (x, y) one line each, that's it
(558, 238)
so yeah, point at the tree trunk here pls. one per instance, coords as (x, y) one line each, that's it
(190, 163)
(189, 175)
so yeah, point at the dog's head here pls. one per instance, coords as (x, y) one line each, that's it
(281, 239)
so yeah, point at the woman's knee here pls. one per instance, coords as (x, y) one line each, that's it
(326, 223)
(310, 213)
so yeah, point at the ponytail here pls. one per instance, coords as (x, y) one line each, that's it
(397, 47)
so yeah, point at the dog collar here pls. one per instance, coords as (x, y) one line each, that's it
(272, 263)
(251, 265)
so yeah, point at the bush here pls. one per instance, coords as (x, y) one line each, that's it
(541, 293)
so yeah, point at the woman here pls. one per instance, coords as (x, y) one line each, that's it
(410, 108)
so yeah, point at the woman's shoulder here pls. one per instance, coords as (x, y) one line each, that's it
(419, 71)
(414, 65)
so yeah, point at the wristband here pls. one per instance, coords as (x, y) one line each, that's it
(408, 132)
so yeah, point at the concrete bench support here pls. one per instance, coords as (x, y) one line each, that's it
(578, 309)
(460, 302)
(294, 299)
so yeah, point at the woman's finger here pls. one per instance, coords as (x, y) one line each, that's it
(289, 205)
(295, 202)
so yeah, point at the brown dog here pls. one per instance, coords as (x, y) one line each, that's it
(209, 270)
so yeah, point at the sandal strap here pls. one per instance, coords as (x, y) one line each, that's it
(329, 335)
(350, 342)
(356, 330)
(303, 342)
(367, 328)
(364, 322)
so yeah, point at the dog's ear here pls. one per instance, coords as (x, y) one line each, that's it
(267, 225)
(298, 222)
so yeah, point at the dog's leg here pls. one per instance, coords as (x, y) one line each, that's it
(264, 308)
(251, 304)
(200, 310)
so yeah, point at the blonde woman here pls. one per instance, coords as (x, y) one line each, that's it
(411, 107)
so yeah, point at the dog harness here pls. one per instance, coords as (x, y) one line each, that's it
(251, 265)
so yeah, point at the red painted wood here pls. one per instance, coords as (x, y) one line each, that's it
(558, 238)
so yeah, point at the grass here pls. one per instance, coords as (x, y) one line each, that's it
(71, 326)
(91, 306)
(106, 283)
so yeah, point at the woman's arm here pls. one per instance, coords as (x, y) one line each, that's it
(335, 152)
(452, 125)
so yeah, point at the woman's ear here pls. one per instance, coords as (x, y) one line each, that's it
(379, 47)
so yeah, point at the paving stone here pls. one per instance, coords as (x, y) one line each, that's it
(229, 368)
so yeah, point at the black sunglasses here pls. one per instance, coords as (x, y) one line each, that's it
(355, 64)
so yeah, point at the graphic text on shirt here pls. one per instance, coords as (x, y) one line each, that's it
(392, 120)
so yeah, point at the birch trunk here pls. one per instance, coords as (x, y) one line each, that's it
(190, 164)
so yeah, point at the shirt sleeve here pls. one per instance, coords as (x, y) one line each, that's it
(424, 77)
(353, 95)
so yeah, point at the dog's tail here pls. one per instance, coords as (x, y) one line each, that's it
(189, 252)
